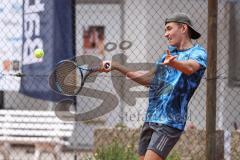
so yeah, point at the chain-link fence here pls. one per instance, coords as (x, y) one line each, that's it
(103, 121)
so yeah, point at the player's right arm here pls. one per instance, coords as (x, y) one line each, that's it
(141, 77)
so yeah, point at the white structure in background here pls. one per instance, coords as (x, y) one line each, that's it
(11, 43)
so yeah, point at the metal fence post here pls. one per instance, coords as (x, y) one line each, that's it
(211, 80)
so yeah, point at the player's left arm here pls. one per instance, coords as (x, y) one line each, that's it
(188, 67)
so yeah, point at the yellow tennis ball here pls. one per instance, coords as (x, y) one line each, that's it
(38, 53)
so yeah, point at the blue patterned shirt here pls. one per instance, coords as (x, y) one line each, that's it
(171, 90)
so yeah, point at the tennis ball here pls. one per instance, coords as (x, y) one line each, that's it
(38, 53)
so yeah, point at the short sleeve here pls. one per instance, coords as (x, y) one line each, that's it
(200, 56)
(162, 58)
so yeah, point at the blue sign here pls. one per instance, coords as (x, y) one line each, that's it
(47, 24)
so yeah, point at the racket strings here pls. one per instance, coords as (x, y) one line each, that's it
(73, 78)
(66, 78)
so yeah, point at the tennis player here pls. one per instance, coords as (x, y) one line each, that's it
(171, 85)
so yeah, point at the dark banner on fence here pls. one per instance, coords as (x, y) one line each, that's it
(47, 25)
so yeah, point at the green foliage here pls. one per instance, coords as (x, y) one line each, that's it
(120, 125)
(116, 151)
(173, 156)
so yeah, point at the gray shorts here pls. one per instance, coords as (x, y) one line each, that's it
(158, 138)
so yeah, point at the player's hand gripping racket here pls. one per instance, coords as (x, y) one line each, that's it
(68, 77)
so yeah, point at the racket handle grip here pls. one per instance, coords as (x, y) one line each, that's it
(107, 65)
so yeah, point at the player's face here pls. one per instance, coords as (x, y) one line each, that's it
(173, 33)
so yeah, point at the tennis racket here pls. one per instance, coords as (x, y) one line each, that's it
(68, 77)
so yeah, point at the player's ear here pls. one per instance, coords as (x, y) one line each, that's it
(184, 28)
